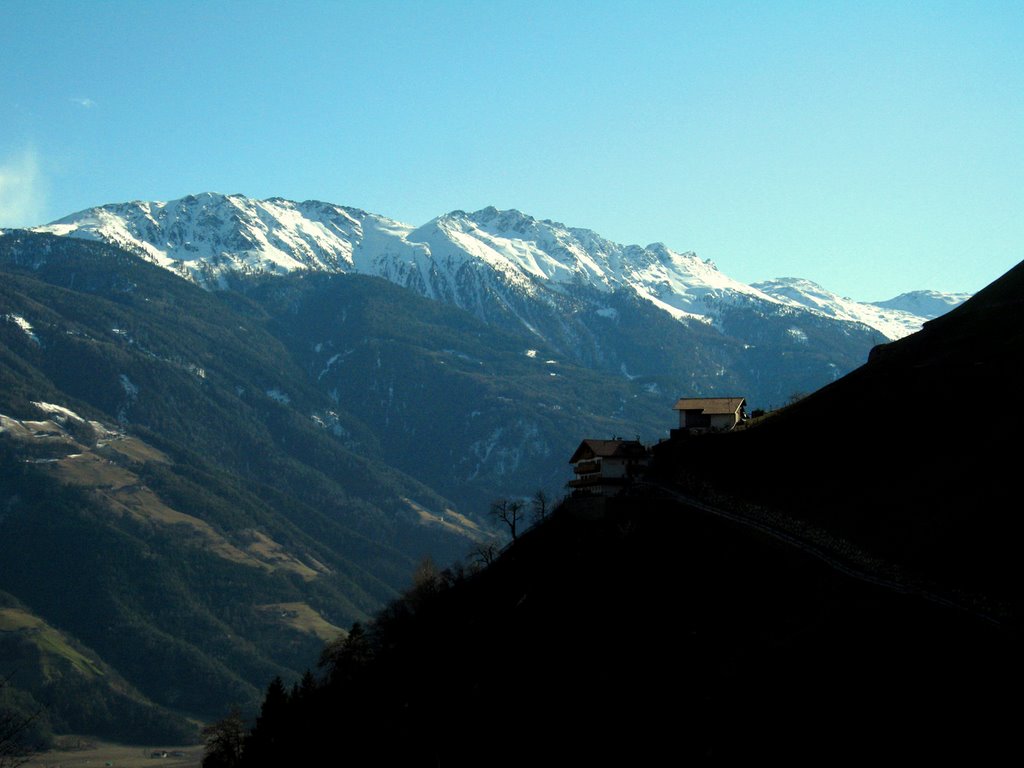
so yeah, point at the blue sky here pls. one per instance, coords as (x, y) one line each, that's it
(872, 147)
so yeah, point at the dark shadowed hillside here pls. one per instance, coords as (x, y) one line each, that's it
(910, 457)
(844, 585)
(655, 631)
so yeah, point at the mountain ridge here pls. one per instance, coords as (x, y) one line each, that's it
(208, 237)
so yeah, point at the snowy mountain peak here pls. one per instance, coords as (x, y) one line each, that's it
(806, 294)
(509, 218)
(209, 236)
(468, 259)
(926, 304)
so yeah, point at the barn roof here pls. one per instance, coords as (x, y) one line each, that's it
(710, 405)
(618, 449)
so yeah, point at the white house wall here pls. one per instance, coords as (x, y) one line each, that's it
(723, 421)
(613, 468)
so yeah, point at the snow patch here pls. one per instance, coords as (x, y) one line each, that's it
(330, 421)
(797, 334)
(330, 362)
(130, 389)
(278, 395)
(131, 392)
(25, 326)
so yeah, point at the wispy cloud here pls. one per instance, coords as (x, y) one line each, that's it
(21, 190)
(87, 103)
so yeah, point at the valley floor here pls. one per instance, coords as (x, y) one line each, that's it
(86, 751)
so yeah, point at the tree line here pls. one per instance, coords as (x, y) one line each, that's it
(363, 675)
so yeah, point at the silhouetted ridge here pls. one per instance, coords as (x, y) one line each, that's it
(906, 456)
(846, 588)
(653, 628)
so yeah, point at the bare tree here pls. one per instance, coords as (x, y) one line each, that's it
(484, 553)
(510, 512)
(426, 582)
(224, 741)
(540, 504)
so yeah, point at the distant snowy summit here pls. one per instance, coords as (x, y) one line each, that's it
(467, 259)
(926, 304)
(893, 322)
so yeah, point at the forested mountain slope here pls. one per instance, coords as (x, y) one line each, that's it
(177, 495)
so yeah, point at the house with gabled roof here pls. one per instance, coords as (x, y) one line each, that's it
(604, 467)
(711, 414)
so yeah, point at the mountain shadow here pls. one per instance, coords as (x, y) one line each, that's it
(908, 458)
(836, 582)
(654, 631)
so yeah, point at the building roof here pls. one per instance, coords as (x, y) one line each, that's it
(605, 449)
(710, 405)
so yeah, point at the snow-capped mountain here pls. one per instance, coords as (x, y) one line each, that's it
(893, 322)
(208, 237)
(471, 260)
(926, 304)
(538, 254)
